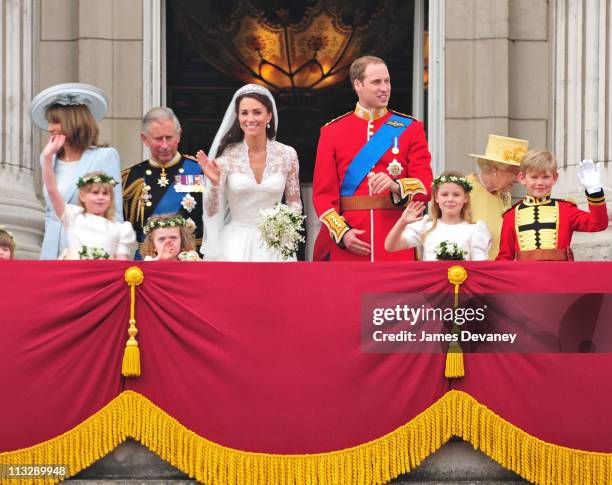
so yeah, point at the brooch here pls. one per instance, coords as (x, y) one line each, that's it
(394, 168)
(188, 203)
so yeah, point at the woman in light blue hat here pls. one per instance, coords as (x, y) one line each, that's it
(73, 110)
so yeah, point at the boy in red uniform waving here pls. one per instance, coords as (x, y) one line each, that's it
(370, 163)
(540, 228)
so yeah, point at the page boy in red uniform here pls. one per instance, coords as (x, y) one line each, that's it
(541, 228)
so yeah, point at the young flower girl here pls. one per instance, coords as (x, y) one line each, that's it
(448, 232)
(91, 229)
(169, 236)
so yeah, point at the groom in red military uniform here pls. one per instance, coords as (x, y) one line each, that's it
(370, 163)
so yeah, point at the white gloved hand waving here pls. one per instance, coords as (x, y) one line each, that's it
(589, 176)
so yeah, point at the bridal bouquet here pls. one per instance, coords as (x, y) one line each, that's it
(449, 251)
(93, 253)
(281, 229)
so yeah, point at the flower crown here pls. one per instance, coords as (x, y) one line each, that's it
(452, 179)
(96, 179)
(174, 221)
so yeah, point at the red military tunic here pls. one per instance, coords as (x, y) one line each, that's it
(339, 143)
(545, 223)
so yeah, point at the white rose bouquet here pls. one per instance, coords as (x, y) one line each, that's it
(93, 253)
(449, 251)
(281, 229)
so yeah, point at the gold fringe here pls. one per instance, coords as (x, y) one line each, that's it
(454, 361)
(533, 459)
(133, 415)
(78, 448)
(375, 462)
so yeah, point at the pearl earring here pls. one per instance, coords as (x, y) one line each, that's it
(268, 125)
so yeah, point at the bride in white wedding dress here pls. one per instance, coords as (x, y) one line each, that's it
(247, 171)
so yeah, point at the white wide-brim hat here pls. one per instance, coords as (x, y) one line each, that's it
(68, 94)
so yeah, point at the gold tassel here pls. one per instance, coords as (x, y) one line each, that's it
(454, 361)
(454, 356)
(131, 356)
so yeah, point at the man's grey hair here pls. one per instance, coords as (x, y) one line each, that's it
(158, 114)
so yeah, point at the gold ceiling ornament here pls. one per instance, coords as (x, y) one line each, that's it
(285, 46)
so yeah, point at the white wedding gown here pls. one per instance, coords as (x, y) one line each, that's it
(232, 209)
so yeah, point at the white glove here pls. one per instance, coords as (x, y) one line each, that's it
(589, 176)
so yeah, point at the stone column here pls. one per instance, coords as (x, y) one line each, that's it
(20, 210)
(582, 106)
(477, 43)
(529, 60)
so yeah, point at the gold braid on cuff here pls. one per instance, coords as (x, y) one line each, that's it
(335, 223)
(409, 187)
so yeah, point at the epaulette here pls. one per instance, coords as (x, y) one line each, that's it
(125, 173)
(338, 118)
(190, 157)
(127, 169)
(512, 208)
(402, 114)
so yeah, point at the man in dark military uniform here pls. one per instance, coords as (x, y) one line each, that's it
(166, 183)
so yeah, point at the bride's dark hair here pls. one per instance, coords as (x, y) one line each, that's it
(235, 134)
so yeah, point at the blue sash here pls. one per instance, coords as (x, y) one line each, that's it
(370, 153)
(171, 200)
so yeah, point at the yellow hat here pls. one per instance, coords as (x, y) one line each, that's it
(503, 149)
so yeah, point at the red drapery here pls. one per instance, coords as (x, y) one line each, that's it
(266, 357)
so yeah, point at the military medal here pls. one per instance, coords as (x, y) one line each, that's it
(145, 196)
(163, 181)
(395, 149)
(394, 168)
(189, 203)
(188, 183)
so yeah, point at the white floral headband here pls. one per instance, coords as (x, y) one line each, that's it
(452, 179)
(173, 221)
(96, 179)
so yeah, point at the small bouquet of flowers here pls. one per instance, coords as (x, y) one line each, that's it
(449, 251)
(188, 256)
(93, 253)
(281, 229)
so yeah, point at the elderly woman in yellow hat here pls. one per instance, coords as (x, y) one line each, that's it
(490, 196)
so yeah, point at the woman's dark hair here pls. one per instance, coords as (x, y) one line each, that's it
(235, 134)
